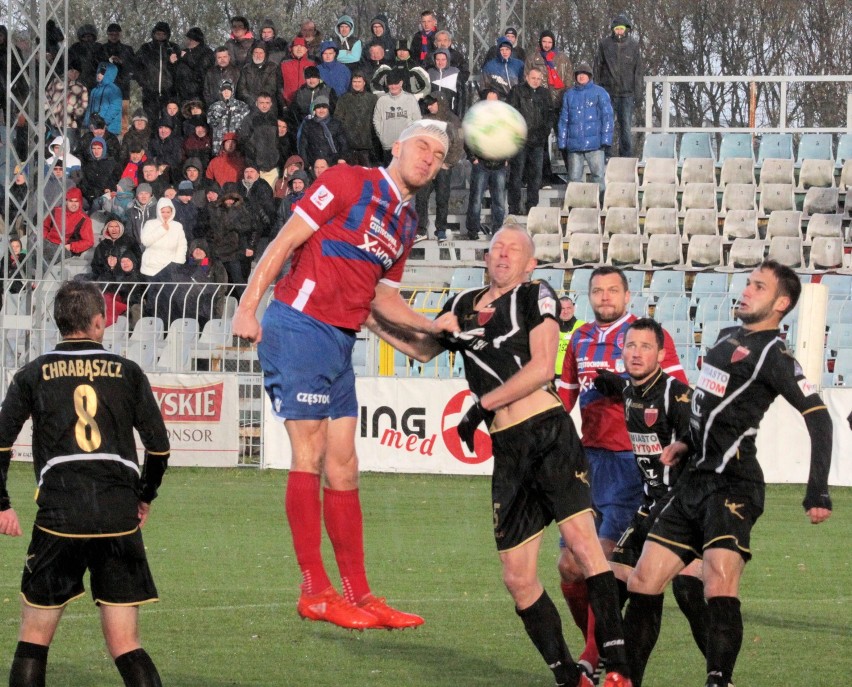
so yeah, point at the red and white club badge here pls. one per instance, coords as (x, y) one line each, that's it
(651, 415)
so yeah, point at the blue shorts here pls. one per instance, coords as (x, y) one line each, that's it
(616, 490)
(307, 366)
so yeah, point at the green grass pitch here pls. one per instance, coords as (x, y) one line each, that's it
(222, 558)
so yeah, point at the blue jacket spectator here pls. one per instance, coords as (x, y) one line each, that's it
(105, 98)
(332, 72)
(586, 120)
(351, 46)
(505, 72)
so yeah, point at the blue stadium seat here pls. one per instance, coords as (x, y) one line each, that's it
(467, 277)
(694, 144)
(553, 276)
(635, 281)
(672, 308)
(735, 145)
(659, 145)
(815, 147)
(579, 283)
(844, 149)
(668, 282)
(775, 146)
(679, 329)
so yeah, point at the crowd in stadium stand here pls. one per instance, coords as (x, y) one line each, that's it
(227, 138)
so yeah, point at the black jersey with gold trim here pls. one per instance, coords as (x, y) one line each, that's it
(742, 374)
(85, 403)
(495, 341)
(656, 413)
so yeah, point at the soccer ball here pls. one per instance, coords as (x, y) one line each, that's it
(494, 130)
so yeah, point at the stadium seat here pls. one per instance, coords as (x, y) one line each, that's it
(746, 254)
(544, 220)
(698, 171)
(176, 355)
(638, 305)
(738, 197)
(680, 329)
(661, 221)
(659, 170)
(582, 195)
(659, 145)
(784, 223)
(698, 196)
(775, 146)
(740, 224)
(846, 181)
(787, 250)
(839, 336)
(621, 221)
(663, 251)
(712, 307)
(735, 145)
(695, 145)
(708, 284)
(737, 170)
(115, 336)
(584, 249)
(659, 195)
(621, 194)
(635, 281)
(548, 247)
(672, 308)
(149, 329)
(467, 277)
(552, 275)
(622, 169)
(700, 222)
(843, 367)
(579, 282)
(402, 364)
(434, 301)
(736, 285)
(824, 201)
(844, 149)
(668, 282)
(830, 225)
(776, 197)
(583, 220)
(776, 171)
(816, 173)
(216, 334)
(710, 331)
(438, 367)
(704, 252)
(813, 146)
(624, 249)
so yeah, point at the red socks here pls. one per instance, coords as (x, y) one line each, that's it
(302, 504)
(577, 598)
(344, 524)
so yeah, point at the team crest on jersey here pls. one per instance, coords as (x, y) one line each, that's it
(484, 315)
(740, 353)
(619, 340)
(651, 415)
(322, 197)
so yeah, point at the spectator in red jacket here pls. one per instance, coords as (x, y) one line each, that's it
(293, 70)
(228, 165)
(68, 227)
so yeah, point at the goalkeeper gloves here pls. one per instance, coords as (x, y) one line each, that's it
(470, 421)
(609, 384)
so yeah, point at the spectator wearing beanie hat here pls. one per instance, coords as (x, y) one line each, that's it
(261, 205)
(155, 70)
(137, 136)
(167, 148)
(293, 70)
(511, 33)
(322, 136)
(192, 65)
(226, 115)
(310, 91)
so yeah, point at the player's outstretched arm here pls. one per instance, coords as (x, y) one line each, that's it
(291, 236)
(389, 307)
(422, 347)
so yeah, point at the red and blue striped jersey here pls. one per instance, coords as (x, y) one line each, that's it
(363, 232)
(594, 348)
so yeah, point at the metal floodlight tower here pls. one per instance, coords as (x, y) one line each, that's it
(489, 19)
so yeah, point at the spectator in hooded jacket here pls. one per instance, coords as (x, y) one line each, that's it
(511, 34)
(332, 72)
(293, 164)
(164, 244)
(121, 55)
(322, 136)
(198, 293)
(293, 70)
(117, 202)
(198, 145)
(186, 211)
(138, 136)
(98, 128)
(415, 79)
(167, 149)
(218, 74)
(533, 101)
(155, 70)
(618, 69)
(355, 113)
(114, 245)
(88, 53)
(105, 99)
(259, 75)
(226, 115)
(444, 79)
(504, 72)
(313, 88)
(350, 46)
(100, 171)
(228, 165)
(142, 209)
(585, 126)
(68, 227)
(192, 65)
(374, 58)
(296, 186)
(276, 47)
(231, 226)
(240, 42)
(444, 41)
(380, 33)
(313, 38)
(193, 171)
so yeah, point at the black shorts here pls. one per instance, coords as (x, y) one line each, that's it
(629, 546)
(119, 573)
(540, 475)
(709, 511)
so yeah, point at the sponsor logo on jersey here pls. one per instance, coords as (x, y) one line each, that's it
(806, 387)
(322, 197)
(651, 415)
(713, 380)
(312, 399)
(646, 444)
(619, 365)
(740, 353)
(682, 399)
(372, 246)
(190, 404)
(378, 229)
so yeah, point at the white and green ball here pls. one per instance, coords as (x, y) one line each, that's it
(494, 130)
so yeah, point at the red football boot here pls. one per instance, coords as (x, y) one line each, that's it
(331, 607)
(617, 680)
(387, 617)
